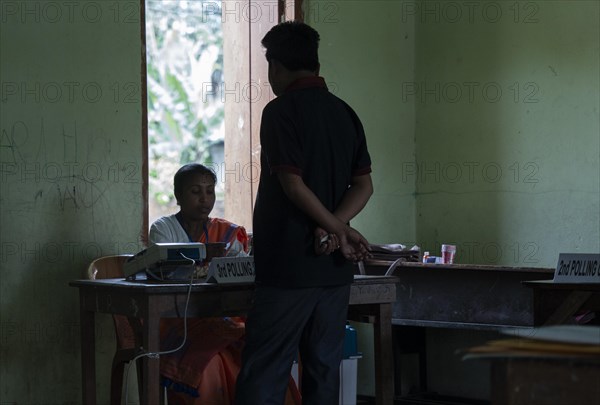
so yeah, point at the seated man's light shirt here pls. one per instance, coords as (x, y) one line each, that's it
(169, 230)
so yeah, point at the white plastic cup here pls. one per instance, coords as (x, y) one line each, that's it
(448, 253)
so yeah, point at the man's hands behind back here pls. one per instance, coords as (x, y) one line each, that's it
(348, 240)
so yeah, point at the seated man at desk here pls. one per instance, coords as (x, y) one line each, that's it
(204, 371)
(194, 189)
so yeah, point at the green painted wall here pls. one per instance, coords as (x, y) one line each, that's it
(70, 185)
(507, 129)
(482, 122)
(366, 53)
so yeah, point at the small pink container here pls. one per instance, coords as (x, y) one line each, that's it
(448, 253)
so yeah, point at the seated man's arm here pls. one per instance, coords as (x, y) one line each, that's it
(156, 236)
(160, 233)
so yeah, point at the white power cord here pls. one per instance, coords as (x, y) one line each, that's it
(156, 355)
(393, 266)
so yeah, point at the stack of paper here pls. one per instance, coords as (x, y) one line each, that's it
(391, 252)
(560, 340)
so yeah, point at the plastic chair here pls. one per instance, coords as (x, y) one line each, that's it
(127, 330)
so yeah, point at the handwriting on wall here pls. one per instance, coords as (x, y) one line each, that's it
(59, 163)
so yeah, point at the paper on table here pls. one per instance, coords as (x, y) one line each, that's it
(548, 341)
(575, 334)
(392, 247)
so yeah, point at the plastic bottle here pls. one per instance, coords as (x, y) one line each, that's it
(350, 342)
(425, 256)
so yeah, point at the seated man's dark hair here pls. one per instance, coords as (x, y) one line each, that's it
(187, 171)
(293, 44)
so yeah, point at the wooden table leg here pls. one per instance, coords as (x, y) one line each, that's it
(568, 308)
(384, 359)
(88, 352)
(151, 369)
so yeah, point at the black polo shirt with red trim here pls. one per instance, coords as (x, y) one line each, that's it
(309, 132)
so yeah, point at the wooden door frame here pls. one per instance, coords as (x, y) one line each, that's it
(246, 92)
(243, 113)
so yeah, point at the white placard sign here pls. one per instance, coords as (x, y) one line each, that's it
(577, 268)
(228, 270)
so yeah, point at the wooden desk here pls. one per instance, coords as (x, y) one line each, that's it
(370, 295)
(455, 296)
(546, 365)
(543, 380)
(465, 296)
(557, 303)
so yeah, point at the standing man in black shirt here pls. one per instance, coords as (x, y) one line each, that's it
(315, 177)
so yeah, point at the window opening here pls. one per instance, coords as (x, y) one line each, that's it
(206, 87)
(184, 53)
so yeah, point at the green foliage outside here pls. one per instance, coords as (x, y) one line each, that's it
(184, 43)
